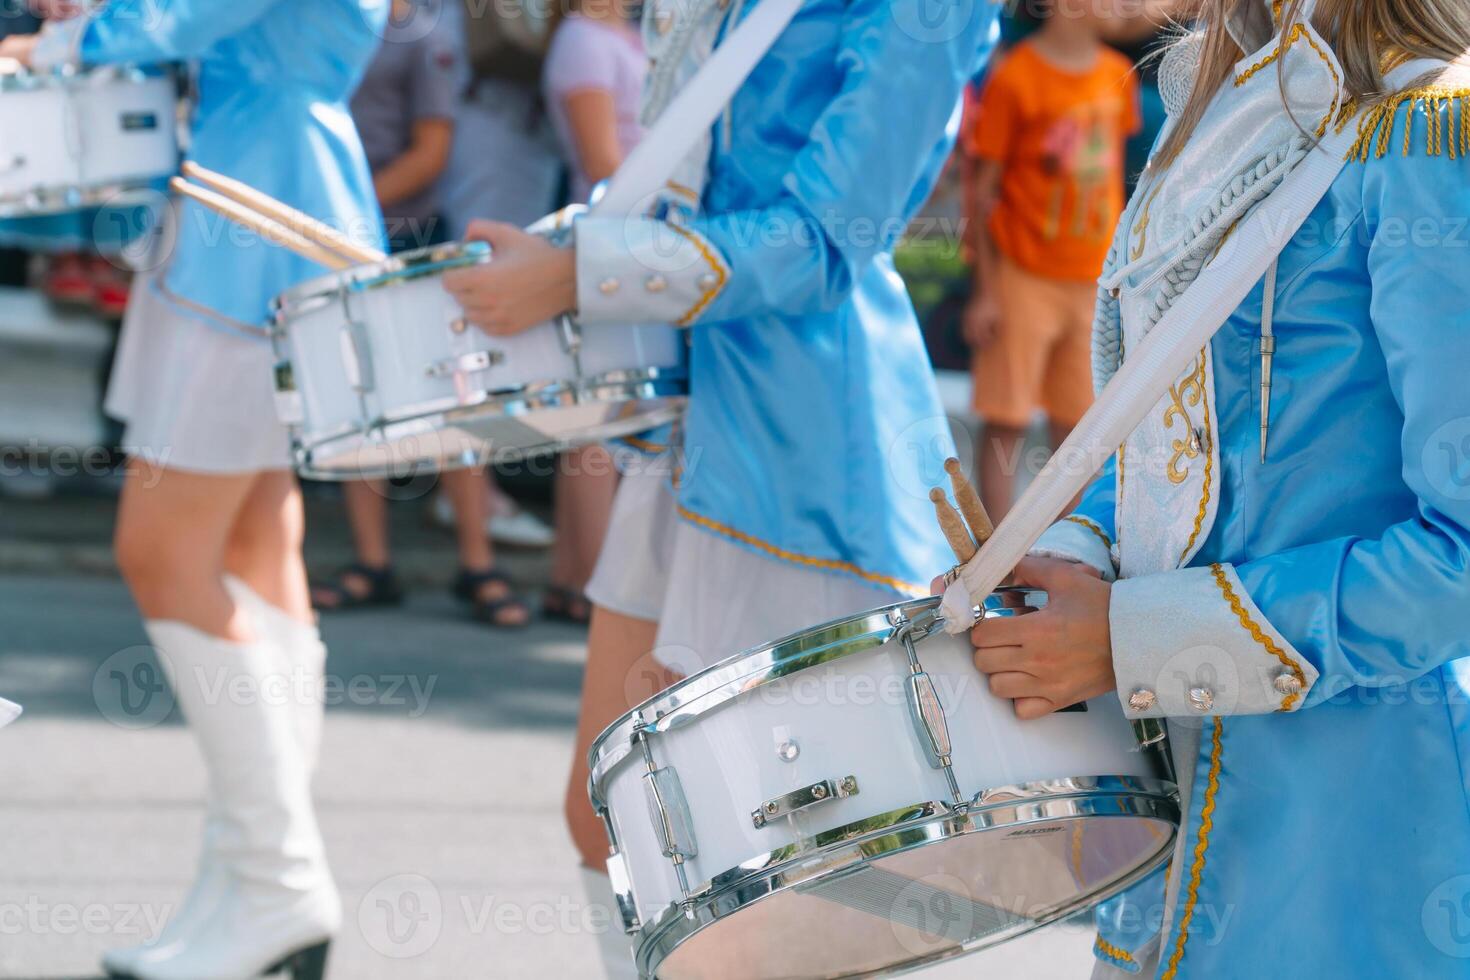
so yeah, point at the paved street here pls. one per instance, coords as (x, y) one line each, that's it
(445, 753)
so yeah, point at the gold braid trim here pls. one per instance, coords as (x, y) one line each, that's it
(1092, 526)
(716, 266)
(1202, 845)
(1112, 952)
(1448, 130)
(1258, 634)
(1297, 33)
(823, 564)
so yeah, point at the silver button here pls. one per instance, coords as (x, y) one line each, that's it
(609, 286)
(655, 284)
(1201, 698)
(1142, 699)
(708, 281)
(1197, 441)
(1288, 683)
(663, 21)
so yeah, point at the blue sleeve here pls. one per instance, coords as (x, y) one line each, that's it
(145, 31)
(1343, 603)
(869, 165)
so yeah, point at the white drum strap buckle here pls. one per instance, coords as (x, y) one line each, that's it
(925, 709)
(669, 809)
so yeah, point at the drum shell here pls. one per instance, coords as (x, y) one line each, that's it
(848, 717)
(72, 140)
(398, 333)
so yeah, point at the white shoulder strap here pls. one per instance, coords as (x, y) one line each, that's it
(1157, 361)
(694, 110)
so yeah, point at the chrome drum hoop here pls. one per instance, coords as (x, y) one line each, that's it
(863, 842)
(612, 388)
(44, 201)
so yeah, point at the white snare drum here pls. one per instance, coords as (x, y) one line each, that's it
(74, 139)
(852, 801)
(379, 374)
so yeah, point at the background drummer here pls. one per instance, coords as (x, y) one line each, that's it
(210, 522)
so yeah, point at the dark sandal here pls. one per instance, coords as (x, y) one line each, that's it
(383, 589)
(467, 586)
(566, 605)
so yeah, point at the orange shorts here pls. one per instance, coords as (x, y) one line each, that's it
(1041, 354)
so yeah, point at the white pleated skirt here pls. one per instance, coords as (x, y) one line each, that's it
(193, 396)
(712, 598)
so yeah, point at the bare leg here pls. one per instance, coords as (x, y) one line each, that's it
(367, 518)
(367, 513)
(585, 484)
(264, 545)
(172, 532)
(618, 647)
(466, 492)
(999, 448)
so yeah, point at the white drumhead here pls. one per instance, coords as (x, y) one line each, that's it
(917, 906)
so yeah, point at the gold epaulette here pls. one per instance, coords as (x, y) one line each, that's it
(1447, 128)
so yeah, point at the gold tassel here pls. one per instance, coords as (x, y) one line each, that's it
(1448, 128)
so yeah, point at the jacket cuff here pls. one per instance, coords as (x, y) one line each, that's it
(1192, 643)
(632, 270)
(1078, 539)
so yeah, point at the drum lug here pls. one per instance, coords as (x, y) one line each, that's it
(668, 808)
(930, 724)
(926, 711)
(569, 331)
(805, 798)
(617, 873)
(480, 360)
(357, 356)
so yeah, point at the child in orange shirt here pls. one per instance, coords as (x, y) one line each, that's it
(1048, 138)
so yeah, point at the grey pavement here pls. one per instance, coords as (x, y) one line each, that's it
(440, 791)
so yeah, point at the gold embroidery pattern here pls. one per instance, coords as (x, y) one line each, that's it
(898, 585)
(1112, 952)
(1140, 229)
(722, 275)
(1208, 489)
(1202, 845)
(1297, 33)
(1188, 392)
(1259, 635)
(1092, 526)
(1449, 129)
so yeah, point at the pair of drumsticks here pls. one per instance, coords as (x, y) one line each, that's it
(965, 535)
(272, 219)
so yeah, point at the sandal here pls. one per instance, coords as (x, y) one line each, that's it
(566, 605)
(382, 589)
(469, 586)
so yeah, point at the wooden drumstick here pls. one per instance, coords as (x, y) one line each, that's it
(980, 523)
(298, 221)
(272, 231)
(952, 526)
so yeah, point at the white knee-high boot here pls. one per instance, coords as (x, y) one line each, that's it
(300, 660)
(304, 656)
(614, 945)
(278, 905)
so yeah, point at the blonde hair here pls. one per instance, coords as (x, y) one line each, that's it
(1369, 36)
